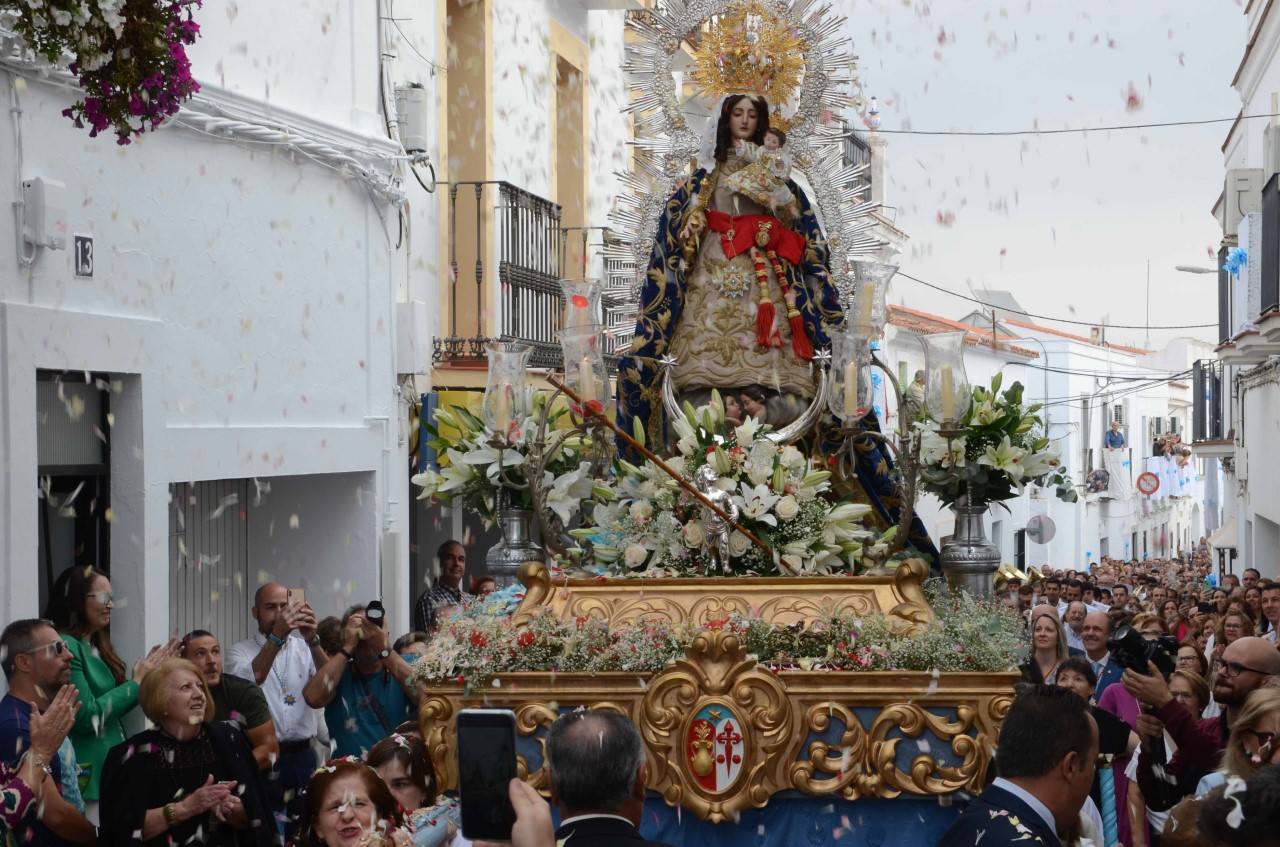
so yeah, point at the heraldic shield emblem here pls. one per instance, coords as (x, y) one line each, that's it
(715, 748)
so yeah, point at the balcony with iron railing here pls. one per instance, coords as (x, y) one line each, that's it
(519, 233)
(1210, 388)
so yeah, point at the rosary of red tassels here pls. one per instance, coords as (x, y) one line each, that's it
(766, 329)
(799, 338)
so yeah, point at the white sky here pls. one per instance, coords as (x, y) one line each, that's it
(1064, 222)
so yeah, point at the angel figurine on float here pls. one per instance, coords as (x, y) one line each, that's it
(738, 286)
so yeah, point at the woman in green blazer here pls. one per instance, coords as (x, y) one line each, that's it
(98, 672)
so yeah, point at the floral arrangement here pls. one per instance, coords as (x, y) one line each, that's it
(645, 524)
(1000, 448)
(473, 468)
(130, 56)
(967, 635)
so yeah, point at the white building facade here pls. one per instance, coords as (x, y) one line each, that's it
(217, 399)
(1237, 396)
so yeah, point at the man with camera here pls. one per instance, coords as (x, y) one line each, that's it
(366, 688)
(1247, 664)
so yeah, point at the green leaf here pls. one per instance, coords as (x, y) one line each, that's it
(637, 430)
(995, 382)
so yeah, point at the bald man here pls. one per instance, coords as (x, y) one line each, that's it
(1073, 623)
(1247, 665)
(282, 656)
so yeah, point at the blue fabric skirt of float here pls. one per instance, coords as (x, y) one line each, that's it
(797, 820)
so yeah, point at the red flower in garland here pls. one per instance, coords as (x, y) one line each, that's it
(478, 639)
(525, 638)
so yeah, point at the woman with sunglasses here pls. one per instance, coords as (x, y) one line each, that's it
(1251, 746)
(98, 672)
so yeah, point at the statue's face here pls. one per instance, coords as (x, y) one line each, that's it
(743, 119)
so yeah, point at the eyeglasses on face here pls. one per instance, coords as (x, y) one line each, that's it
(103, 597)
(56, 647)
(1235, 669)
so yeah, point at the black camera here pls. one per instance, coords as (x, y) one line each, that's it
(1132, 651)
(374, 613)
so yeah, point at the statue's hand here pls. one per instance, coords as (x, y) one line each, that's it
(694, 226)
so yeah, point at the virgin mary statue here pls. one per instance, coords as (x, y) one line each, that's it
(738, 291)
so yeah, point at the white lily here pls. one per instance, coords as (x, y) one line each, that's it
(755, 503)
(568, 490)
(1039, 464)
(1005, 457)
(457, 473)
(936, 450)
(429, 481)
(745, 433)
(487, 457)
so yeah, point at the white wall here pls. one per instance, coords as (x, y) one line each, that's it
(523, 95)
(244, 295)
(296, 537)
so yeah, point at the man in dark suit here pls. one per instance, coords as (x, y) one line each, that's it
(1094, 634)
(1045, 760)
(598, 778)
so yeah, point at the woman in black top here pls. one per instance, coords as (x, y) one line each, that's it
(1115, 738)
(187, 781)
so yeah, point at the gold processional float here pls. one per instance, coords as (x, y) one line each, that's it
(719, 255)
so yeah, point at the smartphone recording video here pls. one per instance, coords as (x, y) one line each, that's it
(486, 766)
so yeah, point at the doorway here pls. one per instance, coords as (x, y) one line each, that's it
(73, 457)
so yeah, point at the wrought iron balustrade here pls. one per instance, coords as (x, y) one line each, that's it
(1208, 387)
(523, 238)
(531, 250)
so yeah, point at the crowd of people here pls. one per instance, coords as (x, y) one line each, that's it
(1161, 683)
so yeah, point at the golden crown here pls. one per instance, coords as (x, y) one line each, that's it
(749, 49)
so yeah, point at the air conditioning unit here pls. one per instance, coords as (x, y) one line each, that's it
(1242, 192)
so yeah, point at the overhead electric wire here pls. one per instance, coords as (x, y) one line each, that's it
(1100, 374)
(1125, 392)
(981, 133)
(1048, 317)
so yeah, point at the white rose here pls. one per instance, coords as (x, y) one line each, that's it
(641, 511)
(694, 535)
(786, 508)
(792, 458)
(635, 555)
(738, 544)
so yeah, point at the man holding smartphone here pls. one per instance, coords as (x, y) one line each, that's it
(282, 657)
(366, 688)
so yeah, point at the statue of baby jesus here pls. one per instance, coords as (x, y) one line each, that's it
(765, 179)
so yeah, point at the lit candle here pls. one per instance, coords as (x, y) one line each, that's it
(502, 409)
(851, 389)
(948, 395)
(586, 380)
(864, 308)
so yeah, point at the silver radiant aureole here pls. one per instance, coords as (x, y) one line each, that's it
(664, 142)
(788, 434)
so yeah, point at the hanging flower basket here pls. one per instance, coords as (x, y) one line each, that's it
(130, 57)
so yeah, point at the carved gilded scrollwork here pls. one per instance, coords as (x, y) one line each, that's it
(749, 716)
(723, 734)
(782, 600)
(846, 772)
(437, 719)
